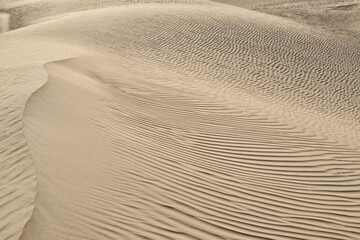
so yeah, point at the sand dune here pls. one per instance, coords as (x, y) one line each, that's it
(178, 120)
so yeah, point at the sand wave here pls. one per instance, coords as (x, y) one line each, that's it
(161, 161)
(17, 172)
(19, 80)
(190, 121)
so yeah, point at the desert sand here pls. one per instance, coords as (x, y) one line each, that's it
(179, 119)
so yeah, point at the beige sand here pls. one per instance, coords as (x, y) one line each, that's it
(178, 120)
(4, 22)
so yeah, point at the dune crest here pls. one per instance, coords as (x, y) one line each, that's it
(19, 79)
(176, 120)
(17, 171)
(196, 176)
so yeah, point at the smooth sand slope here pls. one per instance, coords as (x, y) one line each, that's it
(177, 120)
(4, 22)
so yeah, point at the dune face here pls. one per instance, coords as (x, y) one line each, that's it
(145, 119)
(18, 178)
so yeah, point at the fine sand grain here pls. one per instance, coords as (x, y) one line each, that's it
(4, 22)
(154, 119)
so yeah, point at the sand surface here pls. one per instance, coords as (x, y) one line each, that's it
(179, 119)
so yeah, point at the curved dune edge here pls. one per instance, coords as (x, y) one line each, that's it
(301, 56)
(18, 174)
(19, 80)
(190, 181)
(200, 175)
(76, 29)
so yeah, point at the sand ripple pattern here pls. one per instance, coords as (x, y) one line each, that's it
(17, 171)
(177, 164)
(209, 122)
(269, 57)
(204, 170)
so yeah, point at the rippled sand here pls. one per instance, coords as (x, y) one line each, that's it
(179, 119)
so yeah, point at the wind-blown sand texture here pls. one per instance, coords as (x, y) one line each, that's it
(182, 119)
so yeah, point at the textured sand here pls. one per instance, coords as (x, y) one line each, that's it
(4, 22)
(183, 119)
